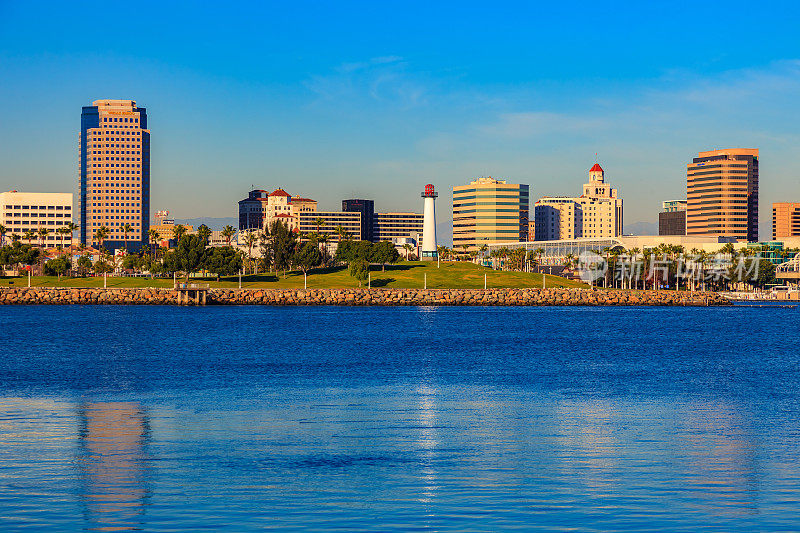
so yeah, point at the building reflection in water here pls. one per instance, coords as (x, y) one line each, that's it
(113, 464)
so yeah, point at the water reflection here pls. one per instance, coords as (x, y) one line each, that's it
(113, 464)
(427, 441)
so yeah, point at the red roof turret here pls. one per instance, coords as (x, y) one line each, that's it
(596, 168)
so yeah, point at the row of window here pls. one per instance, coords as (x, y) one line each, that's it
(56, 207)
(132, 120)
(43, 215)
(39, 222)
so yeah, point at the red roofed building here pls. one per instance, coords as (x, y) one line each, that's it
(260, 208)
(596, 213)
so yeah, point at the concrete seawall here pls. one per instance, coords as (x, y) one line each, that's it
(513, 297)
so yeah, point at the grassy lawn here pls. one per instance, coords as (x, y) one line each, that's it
(405, 275)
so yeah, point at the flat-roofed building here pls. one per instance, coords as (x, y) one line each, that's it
(672, 218)
(21, 212)
(390, 226)
(722, 194)
(488, 210)
(595, 214)
(785, 220)
(556, 218)
(309, 222)
(367, 210)
(114, 173)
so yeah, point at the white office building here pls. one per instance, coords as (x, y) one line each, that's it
(21, 212)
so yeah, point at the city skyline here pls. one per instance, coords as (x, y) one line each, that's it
(380, 117)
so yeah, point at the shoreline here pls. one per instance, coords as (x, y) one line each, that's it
(363, 297)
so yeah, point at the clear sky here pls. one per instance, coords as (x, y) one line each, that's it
(375, 99)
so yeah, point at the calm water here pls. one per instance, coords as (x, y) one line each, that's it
(478, 419)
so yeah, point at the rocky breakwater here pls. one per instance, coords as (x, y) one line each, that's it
(511, 297)
(65, 296)
(363, 297)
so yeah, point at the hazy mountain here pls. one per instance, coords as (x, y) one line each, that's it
(641, 228)
(211, 222)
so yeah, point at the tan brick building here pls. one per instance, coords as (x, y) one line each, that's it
(114, 172)
(785, 220)
(722, 194)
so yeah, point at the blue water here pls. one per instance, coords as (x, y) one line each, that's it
(396, 419)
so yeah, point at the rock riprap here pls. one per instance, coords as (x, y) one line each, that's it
(515, 297)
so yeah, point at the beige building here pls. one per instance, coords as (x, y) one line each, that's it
(114, 172)
(21, 212)
(280, 205)
(722, 194)
(785, 220)
(595, 214)
(391, 226)
(487, 211)
(331, 221)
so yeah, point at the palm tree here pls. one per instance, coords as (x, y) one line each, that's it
(153, 235)
(125, 229)
(177, 232)
(61, 232)
(228, 232)
(3, 231)
(319, 222)
(100, 235)
(250, 240)
(42, 232)
(71, 228)
(407, 247)
(342, 233)
(29, 235)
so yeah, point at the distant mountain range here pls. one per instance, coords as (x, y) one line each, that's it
(641, 228)
(211, 222)
(444, 230)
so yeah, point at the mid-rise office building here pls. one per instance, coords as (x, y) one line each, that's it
(556, 218)
(367, 210)
(253, 209)
(785, 220)
(597, 213)
(488, 210)
(114, 172)
(328, 223)
(21, 212)
(391, 226)
(722, 194)
(672, 218)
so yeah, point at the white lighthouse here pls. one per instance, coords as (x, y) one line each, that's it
(428, 251)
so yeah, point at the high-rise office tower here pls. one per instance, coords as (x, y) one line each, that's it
(114, 173)
(722, 194)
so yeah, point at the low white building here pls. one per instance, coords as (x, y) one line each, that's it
(31, 211)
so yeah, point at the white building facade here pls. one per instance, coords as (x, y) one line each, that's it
(21, 212)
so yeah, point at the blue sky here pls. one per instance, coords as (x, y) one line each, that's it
(376, 99)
